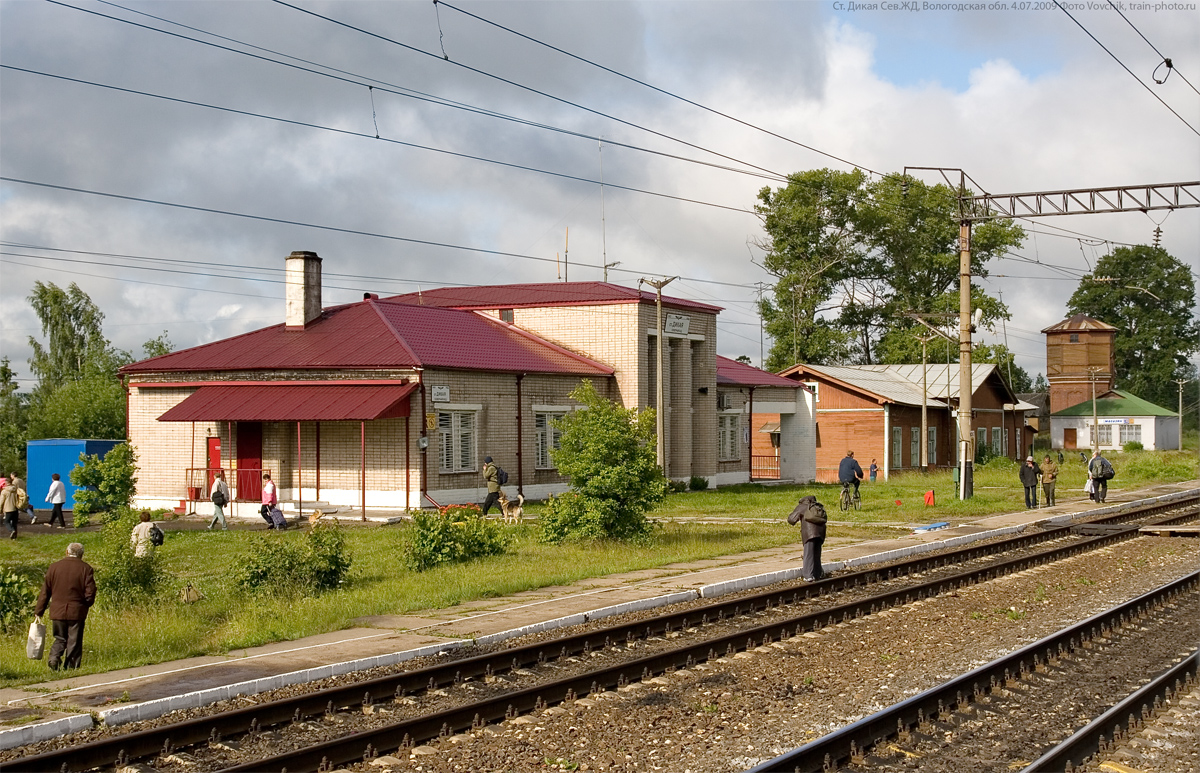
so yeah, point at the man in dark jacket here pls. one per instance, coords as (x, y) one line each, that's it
(1029, 475)
(70, 591)
(811, 515)
(850, 471)
(491, 475)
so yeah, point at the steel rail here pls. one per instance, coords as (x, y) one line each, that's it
(1120, 720)
(850, 742)
(152, 741)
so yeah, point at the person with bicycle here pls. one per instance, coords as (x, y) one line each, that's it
(850, 471)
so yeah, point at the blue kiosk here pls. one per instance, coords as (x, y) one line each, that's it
(61, 455)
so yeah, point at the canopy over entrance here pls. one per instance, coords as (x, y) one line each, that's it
(294, 402)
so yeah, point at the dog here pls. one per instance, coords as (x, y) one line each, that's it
(315, 516)
(512, 511)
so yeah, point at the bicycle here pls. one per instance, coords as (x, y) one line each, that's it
(849, 500)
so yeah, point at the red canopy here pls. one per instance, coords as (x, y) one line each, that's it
(293, 402)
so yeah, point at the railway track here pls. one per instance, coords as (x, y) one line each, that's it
(492, 667)
(988, 715)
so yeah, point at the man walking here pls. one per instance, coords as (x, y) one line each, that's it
(219, 494)
(1029, 479)
(491, 474)
(8, 506)
(1100, 470)
(1049, 475)
(57, 497)
(812, 518)
(69, 591)
(850, 471)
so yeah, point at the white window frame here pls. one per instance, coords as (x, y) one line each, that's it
(458, 436)
(1004, 442)
(897, 446)
(1020, 449)
(729, 449)
(914, 447)
(980, 438)
(1100, 436)
(1131, 433)
(932, 444)
(815, 386)
(546, 437)
(996, 442)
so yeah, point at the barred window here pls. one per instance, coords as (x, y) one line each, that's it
(456, 430)
(933, 445)
(1131, 433)
(997, 450)
(897, 446)
(547, 436)
(914, 447)
(728, 448)
(980, 439)
(1103, 437)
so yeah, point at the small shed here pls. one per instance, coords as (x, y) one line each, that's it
(61, 455)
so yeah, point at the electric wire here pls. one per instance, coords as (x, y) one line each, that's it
(1126, 69)
(407, 93)
(523, 87)
(655, 88)
(1166, 60)
(364, 135)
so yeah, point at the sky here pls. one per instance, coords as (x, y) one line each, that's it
(182, 149)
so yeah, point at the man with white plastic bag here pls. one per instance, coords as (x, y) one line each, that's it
(36, 643)
(69, 591)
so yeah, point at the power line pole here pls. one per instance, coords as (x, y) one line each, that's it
(659, 423)
(925, 401)
(1092, 371)
(1181, 382)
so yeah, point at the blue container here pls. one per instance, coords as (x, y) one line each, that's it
(61, 455)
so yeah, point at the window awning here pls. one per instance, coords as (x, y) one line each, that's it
(293, 402)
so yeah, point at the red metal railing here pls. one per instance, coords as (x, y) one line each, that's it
(764, 467)
(198, 482)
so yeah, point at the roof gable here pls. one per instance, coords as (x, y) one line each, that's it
(902, 383)
(1117, 403)
(736, 373)
(542, 294)
(1078, 322)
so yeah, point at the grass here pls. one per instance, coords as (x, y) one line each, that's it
(120, 635)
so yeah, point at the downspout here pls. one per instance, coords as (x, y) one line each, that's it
(520, 466)
(750, 422)
(887, 439)
(407, 464)
(425, 446)
(318, 440)
(362, 450)
(299, 473)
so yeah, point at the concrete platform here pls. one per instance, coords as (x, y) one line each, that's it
(149, 691)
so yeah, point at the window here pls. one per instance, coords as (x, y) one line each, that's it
(1074, 338)
(1019, 451)
(1131, 433)
(727, 437)
(456, 429)
(933, 445)
(981, 439)
(996, 441)
(547, 437)
(1004, 442)
(506, 315)
(815, 387)
(1104, 436)
(897, 442)
(914, 447)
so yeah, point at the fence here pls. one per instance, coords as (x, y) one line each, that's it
(764, 467)
(245, 483)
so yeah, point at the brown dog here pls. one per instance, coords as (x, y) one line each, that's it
(512, 511)
(315, 516)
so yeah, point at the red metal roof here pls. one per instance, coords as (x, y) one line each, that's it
(293, 402)
(542, 295)
(737, 373)
(381, 334)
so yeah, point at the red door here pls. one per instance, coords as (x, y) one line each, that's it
(214, 458)
(249, 461)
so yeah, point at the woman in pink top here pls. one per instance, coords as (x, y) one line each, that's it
(270, 499)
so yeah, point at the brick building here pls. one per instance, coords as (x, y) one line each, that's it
(392, 403)
(875, 411)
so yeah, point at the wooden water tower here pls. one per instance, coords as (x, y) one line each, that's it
(1078, 350)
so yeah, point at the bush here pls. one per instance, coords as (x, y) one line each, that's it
(17, 597)
(454, 533)
(676, 486)
(107, 484)
(121, 577)
(1133, 445)
(698, 483)
(290, 567)
(609, 456)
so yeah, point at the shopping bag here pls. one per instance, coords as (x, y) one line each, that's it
(36, 643)
(1087, 487)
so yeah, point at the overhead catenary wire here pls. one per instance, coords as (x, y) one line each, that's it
(400, 91)
(1165, 59)
(1126, 69)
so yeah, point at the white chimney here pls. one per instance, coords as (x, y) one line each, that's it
(302, 280)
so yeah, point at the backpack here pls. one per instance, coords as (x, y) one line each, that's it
(156, 535)
(22, 500)
(501, 476)
(1106, 469)
(218, 498)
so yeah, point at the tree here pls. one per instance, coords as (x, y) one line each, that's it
(876, 252)
(159, 346)
(1148, 296)
(107, 484)
(608, 452)
(1040, 384)
(12, 422)
(1012, 373)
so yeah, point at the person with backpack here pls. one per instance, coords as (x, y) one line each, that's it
(219, 494)
(8, 505)
(146, 536)
(495, 478)
(23, 503)
(1100, 470)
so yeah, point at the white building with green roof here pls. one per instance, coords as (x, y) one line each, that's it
(1120, 418)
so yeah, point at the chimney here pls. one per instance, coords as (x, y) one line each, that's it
(302, 283)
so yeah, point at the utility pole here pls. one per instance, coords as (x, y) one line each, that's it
(1181, 382)
(659, 422)
(1092, 371)
(925, 402)
(761, 357)
(966, 434)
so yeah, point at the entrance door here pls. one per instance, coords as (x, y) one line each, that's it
(249, 461)
(1069, 437)
(214, 459)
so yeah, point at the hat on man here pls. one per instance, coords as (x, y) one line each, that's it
(1029, 458)
(487, 459)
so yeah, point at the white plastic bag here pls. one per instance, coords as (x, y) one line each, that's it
(1087, 487)
(36, 643)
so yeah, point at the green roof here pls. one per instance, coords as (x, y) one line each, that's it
(1123, 404)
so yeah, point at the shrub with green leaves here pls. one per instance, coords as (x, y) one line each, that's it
(17, 596)
(698, 483)
(1132, 445)
(277, 564)
(454, 533)
(121, 577)
(608, 454)
(106, 485)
